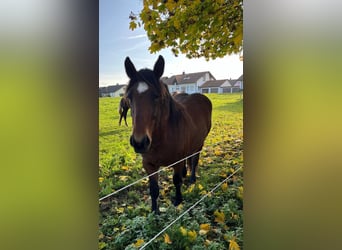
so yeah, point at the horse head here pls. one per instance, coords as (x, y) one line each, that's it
(145, 93)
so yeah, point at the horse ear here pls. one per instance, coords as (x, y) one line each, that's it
(159, 67)
(130, 69)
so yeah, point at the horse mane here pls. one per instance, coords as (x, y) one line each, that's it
(175, 109)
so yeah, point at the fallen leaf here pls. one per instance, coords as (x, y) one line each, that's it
(192, 235)
(167, 239)
(224, 187)
(139, 243)
(219, 216)
(183, 231)
(123, 177)
(233, 245)
(120, 210)
(205, 227)
(125, 168)
(207, 242)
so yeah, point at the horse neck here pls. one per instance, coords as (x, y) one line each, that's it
(170, 115)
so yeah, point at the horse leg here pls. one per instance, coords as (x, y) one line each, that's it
(177, 181)
(154, 192)
(184, 170)
(120, 119)
(125, 116)
(154, 188)
(193, 161)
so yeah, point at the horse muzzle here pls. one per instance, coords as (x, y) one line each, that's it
(140, 146)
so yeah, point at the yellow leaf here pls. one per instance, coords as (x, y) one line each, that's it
(233, 245)
(139, 243)
(205, 227)
(132, 25)
(179, 207)
(192, 235)
(219, 216)
(218, 152)
(223, 174)
(240, 192)
(120, 210)
(200, 187)
(183, 231)
(125, 168)
(167, 239)
(207, 242)
(191, 188)
(123, 178)
(224, 187)
(203, 192)
(101, 179)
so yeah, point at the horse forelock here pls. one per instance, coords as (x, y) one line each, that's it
(146, 76)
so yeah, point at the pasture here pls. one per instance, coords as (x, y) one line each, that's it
(126, 221)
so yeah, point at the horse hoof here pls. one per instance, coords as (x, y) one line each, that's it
(177, 202)
(192, 180)
(156, 212)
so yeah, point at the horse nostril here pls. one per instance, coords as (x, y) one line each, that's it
(141, 146)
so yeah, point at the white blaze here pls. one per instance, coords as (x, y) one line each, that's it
(142, 87)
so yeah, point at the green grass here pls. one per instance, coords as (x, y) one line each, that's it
(125, 218)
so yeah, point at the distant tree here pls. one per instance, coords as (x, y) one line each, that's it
(196, 28)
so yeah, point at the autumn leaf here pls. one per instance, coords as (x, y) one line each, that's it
(219, 216)
(120, 210)
(205, 226)
(240, 192)
(204, 229)
(101, 179)
(200, 187)
(179, 207)
(167, 239)
(123, 177)
(192, 235)
(125, 168)
(191, 188)
(183, 231)
(132, 25)
(224, 187)
(233, 245)
(207, 242)
(139, 243)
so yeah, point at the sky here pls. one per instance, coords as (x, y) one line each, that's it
(117, 42)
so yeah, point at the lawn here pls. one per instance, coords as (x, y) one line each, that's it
(215, 223)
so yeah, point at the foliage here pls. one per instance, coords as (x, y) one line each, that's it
(216, 223)
(199, 28)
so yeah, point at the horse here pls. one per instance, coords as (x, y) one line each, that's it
(165, 129)
(123, 109)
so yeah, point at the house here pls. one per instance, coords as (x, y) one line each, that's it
(239, 82)
(235, 86)
(187, 82)
(112, 90)
(214, 86)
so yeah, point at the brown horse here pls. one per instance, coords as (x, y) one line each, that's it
(123, 109)
(165, 129)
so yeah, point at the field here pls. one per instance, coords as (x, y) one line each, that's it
(215, 223)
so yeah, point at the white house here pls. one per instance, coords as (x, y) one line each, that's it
(187, 82)
(112, 90)
(214, 86)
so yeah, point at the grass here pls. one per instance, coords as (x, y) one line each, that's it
(216, 223)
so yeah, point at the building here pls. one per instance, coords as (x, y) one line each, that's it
(112, 90)
(187, 82)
